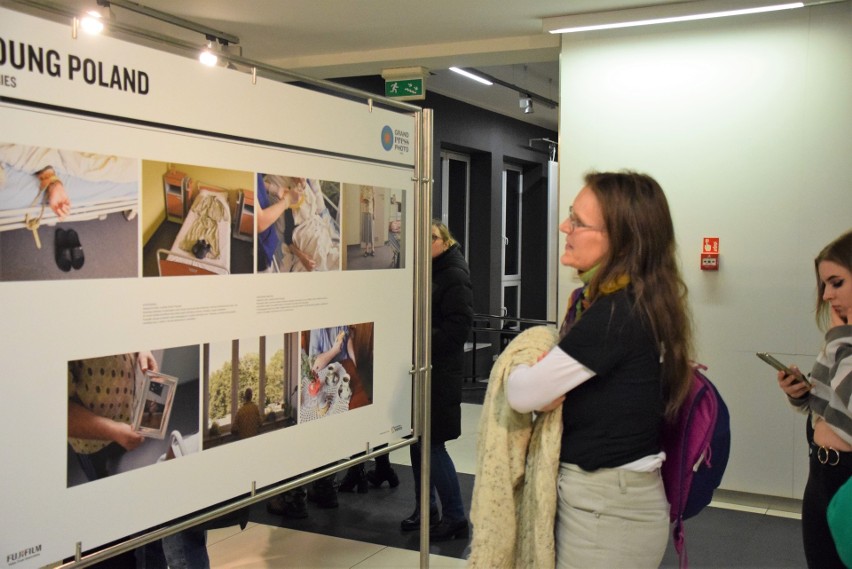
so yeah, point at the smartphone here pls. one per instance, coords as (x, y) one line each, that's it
(780, 366)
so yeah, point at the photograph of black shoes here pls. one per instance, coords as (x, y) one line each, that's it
(201, 248)
(67, 250)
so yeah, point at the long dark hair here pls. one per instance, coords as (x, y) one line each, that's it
(838, 251)
(642, 246)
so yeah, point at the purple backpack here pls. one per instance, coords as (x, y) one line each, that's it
(697, 446)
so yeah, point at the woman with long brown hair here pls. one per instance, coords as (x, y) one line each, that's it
(620, 368)
(826, 398)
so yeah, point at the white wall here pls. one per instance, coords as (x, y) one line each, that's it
(747, 124)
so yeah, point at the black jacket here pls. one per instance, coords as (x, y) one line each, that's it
(452, 318)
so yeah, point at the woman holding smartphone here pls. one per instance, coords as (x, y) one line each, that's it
(828, 401)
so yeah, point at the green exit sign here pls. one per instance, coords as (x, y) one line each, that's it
(405, 88)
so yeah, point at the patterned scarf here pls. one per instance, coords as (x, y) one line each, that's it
(579, 300)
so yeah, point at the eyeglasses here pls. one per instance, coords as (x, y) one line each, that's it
(576, 224)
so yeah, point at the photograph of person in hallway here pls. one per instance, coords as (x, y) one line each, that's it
(452, 319)
(624, 347)
(374, 227)
(826, 397)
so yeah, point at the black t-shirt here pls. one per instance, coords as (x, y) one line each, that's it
(614, 417)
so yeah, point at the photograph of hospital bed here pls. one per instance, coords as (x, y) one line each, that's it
(99, 195)
(203, 244)
(196, 220)
(374, 228)
(305, 236)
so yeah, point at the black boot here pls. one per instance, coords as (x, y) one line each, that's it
(323, 492)
(290, 504)
(379, 475)
(355, 477)
(449, 529)
(412, 522)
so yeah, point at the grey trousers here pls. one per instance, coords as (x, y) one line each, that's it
(610, 518)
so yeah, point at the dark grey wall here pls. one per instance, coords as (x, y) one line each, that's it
(491, 140)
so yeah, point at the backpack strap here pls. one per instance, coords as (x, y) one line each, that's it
(679, 539)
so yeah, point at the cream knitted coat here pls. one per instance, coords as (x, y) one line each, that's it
(514, 495)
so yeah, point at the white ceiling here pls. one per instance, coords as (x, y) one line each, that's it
(344, 38)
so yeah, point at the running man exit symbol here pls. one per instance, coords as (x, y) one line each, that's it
(404, 88)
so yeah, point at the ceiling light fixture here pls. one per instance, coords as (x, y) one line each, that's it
(661, 14)
(520, 89)
(526, 103)
(92, 22)
(209, 56)
(470, 75)
(208, 32)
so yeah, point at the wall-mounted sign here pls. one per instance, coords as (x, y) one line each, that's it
(405, 89)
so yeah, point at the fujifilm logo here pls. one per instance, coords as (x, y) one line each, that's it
(23, 555)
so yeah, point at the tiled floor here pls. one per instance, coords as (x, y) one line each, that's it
(265, 546)
(766, 528)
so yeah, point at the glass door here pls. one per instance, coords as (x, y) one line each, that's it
(455, 196)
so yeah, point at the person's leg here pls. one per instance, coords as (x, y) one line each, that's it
(290, 504)
(823, 482)
(412, 522)
(356, 478)
(414, 453)
(383, 472)
(445, 480)
(151, 556)
(187, 549)
(324, 492)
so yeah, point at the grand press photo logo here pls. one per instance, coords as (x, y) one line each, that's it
(399, 140)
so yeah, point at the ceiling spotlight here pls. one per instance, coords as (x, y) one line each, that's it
(93, 21)
(209, 55)
(526, 104)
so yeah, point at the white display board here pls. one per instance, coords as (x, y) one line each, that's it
(115, 118)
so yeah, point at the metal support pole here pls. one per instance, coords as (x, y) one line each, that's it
(423, 254)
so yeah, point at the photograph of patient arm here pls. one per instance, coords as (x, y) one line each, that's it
(66, 214)
(251, 386)
(127, 411)
(298, 224)
(196, 220)
(336, 370)
(374, 228)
